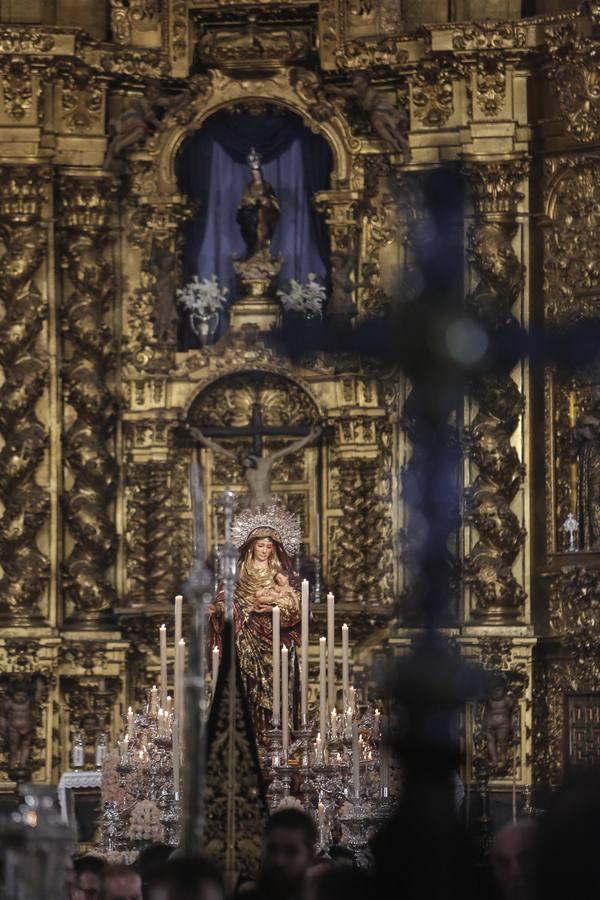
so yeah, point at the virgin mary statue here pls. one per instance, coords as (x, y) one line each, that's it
(266, 537)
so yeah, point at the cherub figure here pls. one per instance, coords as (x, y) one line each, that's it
(498, 723)
(19, 715)
(387, 121)
(136, 122)
(341, 307)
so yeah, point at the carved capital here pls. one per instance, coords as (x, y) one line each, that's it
(86, 202)
(23, 192)
(494, 184)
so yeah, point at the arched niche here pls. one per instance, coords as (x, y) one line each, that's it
(216, 90)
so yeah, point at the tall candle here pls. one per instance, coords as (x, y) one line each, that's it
(323, 685)
(355, 760)
(180, 660)
(153, 700)
(163, 665)
(284, 699)
(215, 668)
(276, 667)
(176, 759)
(331, 651)
(345, 664)
(178, 618)
(130, 723)
(304, 656)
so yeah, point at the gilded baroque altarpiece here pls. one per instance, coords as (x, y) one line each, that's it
(96, 527)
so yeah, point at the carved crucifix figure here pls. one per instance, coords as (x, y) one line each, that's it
(256, 468)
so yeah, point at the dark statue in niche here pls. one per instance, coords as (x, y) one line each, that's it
(258, 212)
(584, 448)
(498, 724)
(341, 307)
(19, 716)
(163, 266)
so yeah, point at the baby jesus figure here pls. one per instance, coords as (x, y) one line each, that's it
(277, 594)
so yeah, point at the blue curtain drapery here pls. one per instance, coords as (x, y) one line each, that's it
(212, 170)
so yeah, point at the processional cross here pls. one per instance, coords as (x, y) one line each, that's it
(256, 468)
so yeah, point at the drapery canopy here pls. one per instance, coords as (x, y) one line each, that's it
(212, 170)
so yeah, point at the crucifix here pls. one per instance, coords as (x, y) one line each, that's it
(256, 468)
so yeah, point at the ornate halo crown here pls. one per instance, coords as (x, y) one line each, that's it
(275, 519)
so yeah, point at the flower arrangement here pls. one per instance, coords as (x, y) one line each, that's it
(203, 298)
(306, 299)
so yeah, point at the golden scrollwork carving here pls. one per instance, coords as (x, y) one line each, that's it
(574, 613)
(499, 274)
(489, 35)
(362, 54)
(88, 441)
(254, 44)
(145, 63)
(149, 531)
(82, 98)
(490, 84)
(23, 190)
(17, 87)
(139, 14)
(572, 65)
(21, 39)
(433, 93)
(571, 280)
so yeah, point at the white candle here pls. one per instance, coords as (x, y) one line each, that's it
(215, 669)
(176, 760)
(168, 706)
(376, 724)
(284, 699)
(323, 685)
(179, 670)
(331, 651)
(355, 761)
(153, 700)
(276, 667)
(345, 664)
(321, 813)
(319, 749)
(161, 722)
(130, 723)
(163, 665)
(333, 724)
(178, 618)
(304, 656)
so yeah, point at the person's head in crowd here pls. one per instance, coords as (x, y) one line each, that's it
(288, 851)
(188, 878)
(121, 882)
(512, 859)
(149, 864)
(567, 858)
(72, 892)
(88, 876)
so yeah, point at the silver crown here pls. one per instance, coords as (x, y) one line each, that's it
(254, 159)
(284, 525)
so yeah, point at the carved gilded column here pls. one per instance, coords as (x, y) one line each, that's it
(89, 395)
(25, 568)
(150, 553)
(497, 278)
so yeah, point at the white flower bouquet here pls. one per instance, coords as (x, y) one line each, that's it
(305, 299)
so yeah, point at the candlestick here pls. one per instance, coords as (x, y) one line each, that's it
(331, 651)
(130, 723)
(284, 701)
(304, 656)
(345, 664)
(276, 667)
(163, 665)
(355, 761)
(215, 669)
(323, 685)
